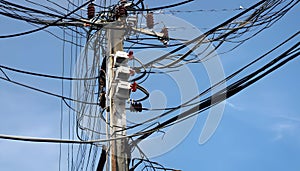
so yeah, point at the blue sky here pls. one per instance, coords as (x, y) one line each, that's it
(259, 129)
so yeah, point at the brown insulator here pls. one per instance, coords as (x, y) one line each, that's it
(165, 31)
(165, 39)
(150, 20)
(121, 11)
(91, 11)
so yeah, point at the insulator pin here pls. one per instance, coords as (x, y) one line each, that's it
(165, 38)
(121, 11)
(91, 11)
(150, 20)
(136, 107)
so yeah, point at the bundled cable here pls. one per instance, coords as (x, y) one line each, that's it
(44, 75)
(230, 90)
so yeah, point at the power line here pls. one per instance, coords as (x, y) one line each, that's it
(229, 91)
(44, 27)
(47, 76)
(89, 118)
(46, 92)
(163, 7)
(206, 10)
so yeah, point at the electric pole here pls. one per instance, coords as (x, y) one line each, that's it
(118, 153)
(118, 88)
(96, 89)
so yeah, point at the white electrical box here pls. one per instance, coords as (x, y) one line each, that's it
(121, 59)
(122, 90)
(122, 73)
(132, 20)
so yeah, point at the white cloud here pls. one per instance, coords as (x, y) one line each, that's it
(286, 126)
(233, 106)
(290, 118)
(282, 130)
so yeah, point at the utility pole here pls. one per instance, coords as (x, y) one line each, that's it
(118, 156)
(118, 88)
(117, 148)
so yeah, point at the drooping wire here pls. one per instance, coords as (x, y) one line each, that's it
(230, 30)
(163, 7)
(186, 104)
(46, 92)
(4, 74)
(61, 103)
(46, 75)
(44, 27)
(230, 90)
(206, 10)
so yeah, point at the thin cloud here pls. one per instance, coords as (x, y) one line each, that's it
(283, 130)
(290, 118)
(288, 126)
(233, 106)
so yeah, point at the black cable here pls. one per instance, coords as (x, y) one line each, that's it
(212, 87)
(46, 92)
(231, 90)
(148, 74)
(149, 45)
(152, 163)
(162, 7)
(44, 27)
(227, 92)
(30, 9)
(206, 10)
(232, 75)
(45, 75)
(29, 12)
(142, 89)
(235, 30)
(4, 74)
(52, 140)
(201, 37)
(44, 6)
(241, 84)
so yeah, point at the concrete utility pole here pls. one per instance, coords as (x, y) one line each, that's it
(118, 88)
(118, 151)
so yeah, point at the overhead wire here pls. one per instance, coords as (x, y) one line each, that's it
(61, 104)
(46, 75)
(44, 27)
(163, 7)
(206, 10)
(237, 86)
(230, 76)
(4, 74)
(84, 155)
(46, 92)
(234, 88)
(223, 36)
(230, 90)
(201, 37)
(188, 103)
